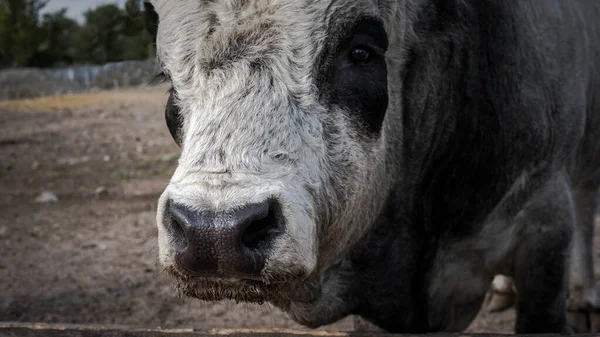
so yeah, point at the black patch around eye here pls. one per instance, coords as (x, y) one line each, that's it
(173, 117)
(358, 82)
(364, 93)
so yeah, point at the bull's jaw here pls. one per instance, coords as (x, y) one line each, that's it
(320, 299)
(324, 298)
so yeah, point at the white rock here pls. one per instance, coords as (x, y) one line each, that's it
(46, 197)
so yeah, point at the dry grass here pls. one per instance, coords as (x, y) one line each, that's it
(127, 97)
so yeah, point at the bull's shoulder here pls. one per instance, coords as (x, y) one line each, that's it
(502, 103)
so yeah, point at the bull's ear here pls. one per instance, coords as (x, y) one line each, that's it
(151, 20)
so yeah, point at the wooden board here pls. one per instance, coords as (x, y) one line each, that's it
(48, 330)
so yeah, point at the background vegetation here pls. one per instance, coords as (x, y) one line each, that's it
(109, 34)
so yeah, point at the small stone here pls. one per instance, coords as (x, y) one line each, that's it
(89, 245)
(35, 165)
(69, 161)
(46, 197)
(101, 192)
(3, 231)
(167, 158)
(107, 158)
(64, 161)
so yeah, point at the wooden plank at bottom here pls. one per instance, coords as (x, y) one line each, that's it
(49, 330)
(66, 330)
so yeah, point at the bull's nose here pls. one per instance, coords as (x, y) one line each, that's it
(233, 243)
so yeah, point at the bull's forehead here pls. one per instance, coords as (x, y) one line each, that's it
(200, 38)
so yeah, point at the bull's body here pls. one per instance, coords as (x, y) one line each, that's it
(491, 132)
(513, 127)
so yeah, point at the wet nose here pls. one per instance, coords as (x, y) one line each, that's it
(233, 243)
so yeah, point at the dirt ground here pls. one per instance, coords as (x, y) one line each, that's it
(91, 256)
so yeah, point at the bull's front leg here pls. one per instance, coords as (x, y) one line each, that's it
(540, 261)
(583, 303)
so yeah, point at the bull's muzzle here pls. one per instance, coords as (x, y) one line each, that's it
(227, 244)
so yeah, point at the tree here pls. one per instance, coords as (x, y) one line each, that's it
(20, 30)
(134, 20)
(101, 38)
(109, 34)
(59, 46)
(138, 41)
(5, 35)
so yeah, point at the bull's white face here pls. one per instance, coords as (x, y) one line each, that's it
(279, 107)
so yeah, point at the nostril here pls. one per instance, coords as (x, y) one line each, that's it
(176, 228)
(260, 232)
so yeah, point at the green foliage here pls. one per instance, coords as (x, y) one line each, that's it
(109, 34)
(59, 46)
(20, 31)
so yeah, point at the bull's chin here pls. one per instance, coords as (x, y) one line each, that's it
(233, 289)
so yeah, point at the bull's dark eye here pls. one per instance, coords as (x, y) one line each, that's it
(360, 55)
(358, 74)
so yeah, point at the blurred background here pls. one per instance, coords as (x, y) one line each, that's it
(76, 45)
(84, 156)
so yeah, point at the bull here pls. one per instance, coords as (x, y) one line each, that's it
(383, 158)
